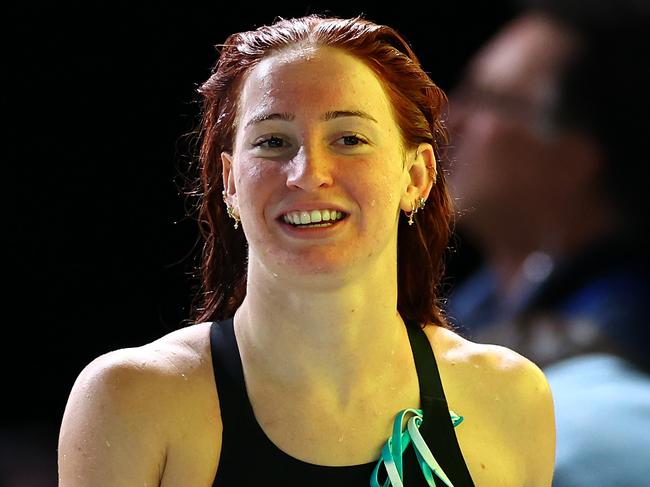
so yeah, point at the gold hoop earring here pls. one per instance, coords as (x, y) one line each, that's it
(415, 208)
(231, 211)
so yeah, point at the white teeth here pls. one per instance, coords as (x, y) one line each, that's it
(313, 216)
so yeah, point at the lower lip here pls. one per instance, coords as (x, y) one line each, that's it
(313, 232)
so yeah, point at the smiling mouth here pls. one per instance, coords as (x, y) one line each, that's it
(313, 218)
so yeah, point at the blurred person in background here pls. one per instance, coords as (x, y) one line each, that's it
(549, 133)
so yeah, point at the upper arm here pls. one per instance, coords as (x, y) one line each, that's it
(110, 435)
(532, 421)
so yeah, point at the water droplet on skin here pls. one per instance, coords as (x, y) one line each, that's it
(274, 274)
(184, 376)
(108, 444)
(340, 438)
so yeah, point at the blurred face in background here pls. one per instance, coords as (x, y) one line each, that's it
(504, 150)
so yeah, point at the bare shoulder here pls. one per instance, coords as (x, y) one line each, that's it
(509, 400)
(502, 368)
(127, 407)
(127, 374)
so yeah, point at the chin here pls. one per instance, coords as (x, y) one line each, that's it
(317, 266)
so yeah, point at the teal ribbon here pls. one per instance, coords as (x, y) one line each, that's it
(392, 451)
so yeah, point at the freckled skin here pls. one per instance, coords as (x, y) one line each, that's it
(368, 181)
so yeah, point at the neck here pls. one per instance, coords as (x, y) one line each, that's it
(333, 334)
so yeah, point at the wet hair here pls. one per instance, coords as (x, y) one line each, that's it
(418, 107)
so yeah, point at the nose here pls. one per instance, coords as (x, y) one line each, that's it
(310, 170)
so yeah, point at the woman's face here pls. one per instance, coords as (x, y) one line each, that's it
(317, 171)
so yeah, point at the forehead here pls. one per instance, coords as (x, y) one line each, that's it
(313, 80)
(524, 58)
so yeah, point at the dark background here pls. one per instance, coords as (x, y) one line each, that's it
(96, 102)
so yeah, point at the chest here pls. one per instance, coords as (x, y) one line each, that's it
(490, 458)
(491, 461)
(323, 436)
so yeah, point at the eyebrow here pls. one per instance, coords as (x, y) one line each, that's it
(288, 117)
(348, 113)
(261, 117)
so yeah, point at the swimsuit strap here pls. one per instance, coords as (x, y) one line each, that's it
(437, 427)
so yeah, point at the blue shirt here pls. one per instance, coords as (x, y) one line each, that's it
(602, 410)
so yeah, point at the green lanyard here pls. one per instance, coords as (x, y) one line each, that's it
(391, 453)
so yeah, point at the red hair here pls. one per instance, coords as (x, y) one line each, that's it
(418, 107)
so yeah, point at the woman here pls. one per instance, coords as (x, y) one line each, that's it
(317, 134)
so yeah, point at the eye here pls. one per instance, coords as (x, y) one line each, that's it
(272, 142)
(351, 140)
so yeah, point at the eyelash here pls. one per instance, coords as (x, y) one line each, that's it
(266, 140)
(360, 140)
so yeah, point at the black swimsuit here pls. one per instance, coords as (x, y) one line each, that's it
(249, 457)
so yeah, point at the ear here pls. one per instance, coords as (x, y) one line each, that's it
(422, 173)
(230, 191)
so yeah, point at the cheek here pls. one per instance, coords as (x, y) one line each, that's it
(251, 173)
(256, 185)
(383, 188)
(253, 179)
